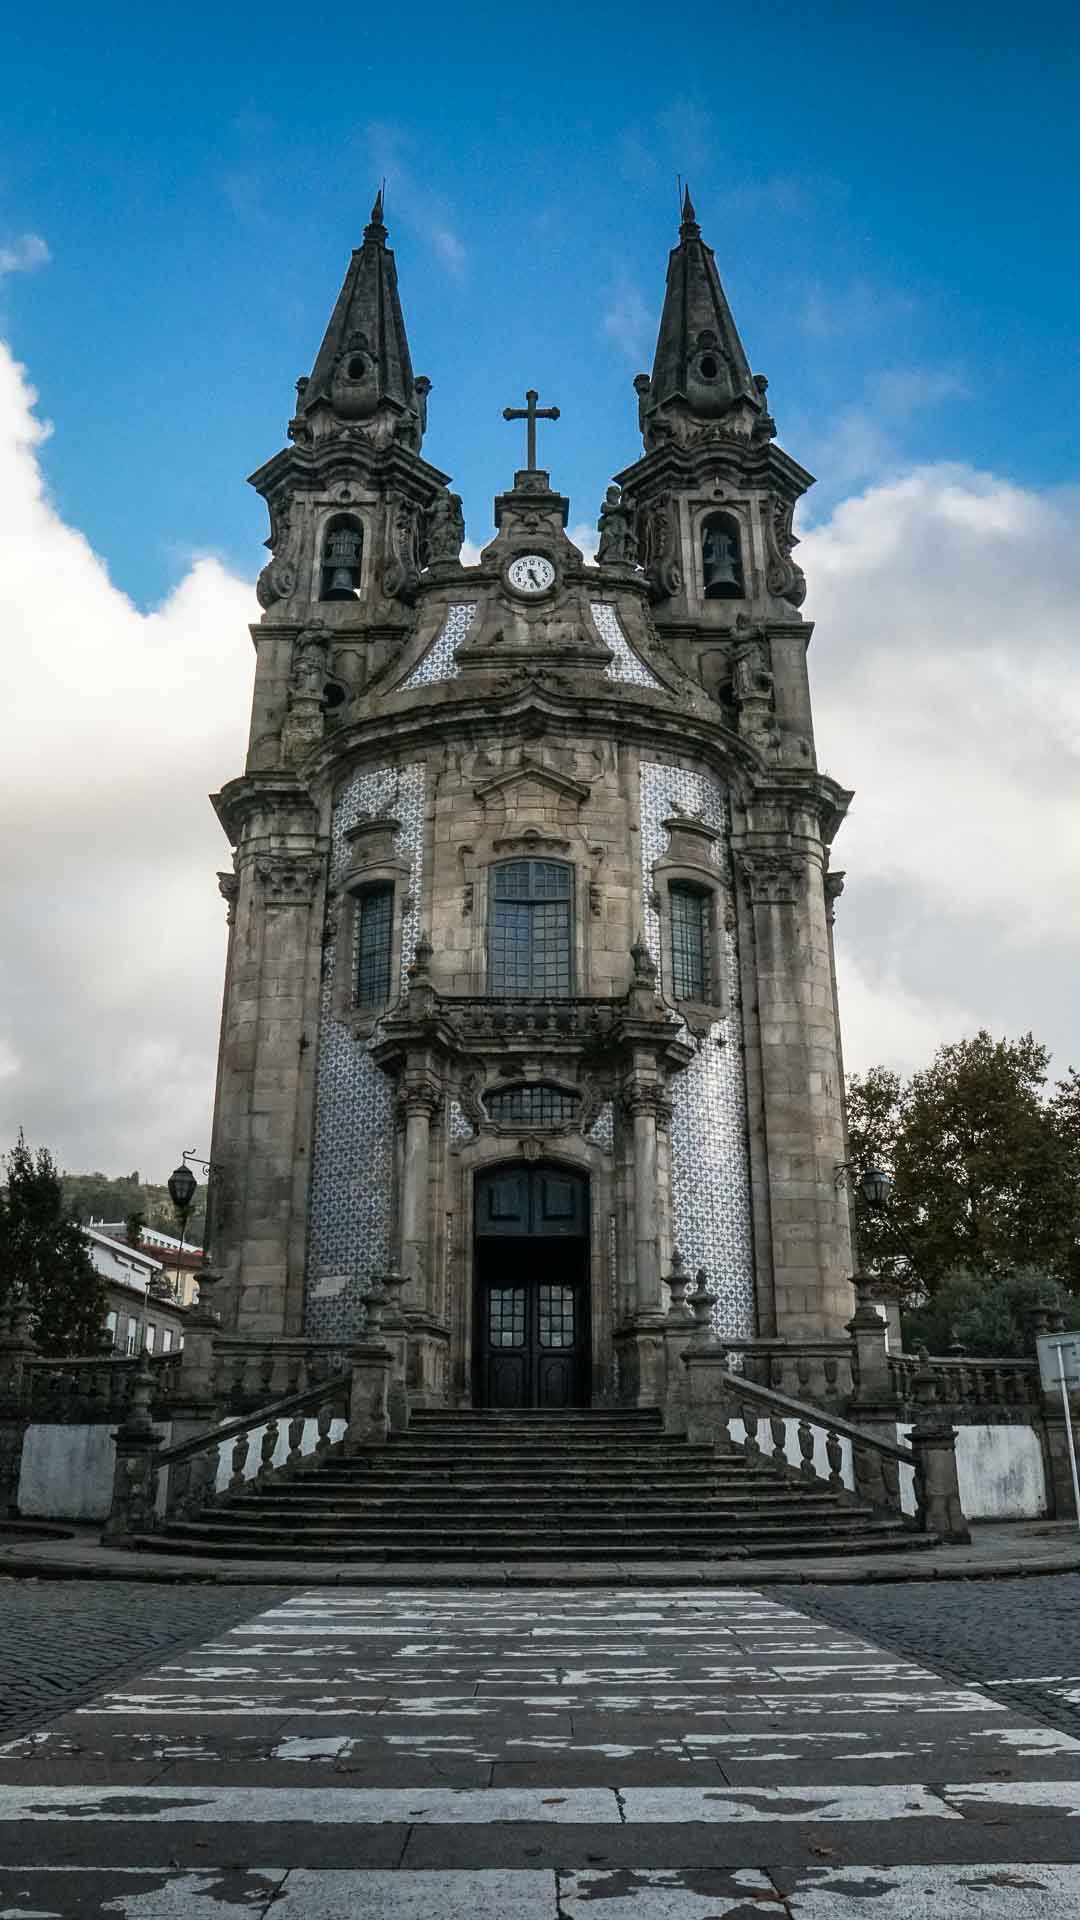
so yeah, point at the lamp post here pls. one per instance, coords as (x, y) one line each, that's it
(182, 1186)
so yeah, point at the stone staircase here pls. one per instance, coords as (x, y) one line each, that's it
(569, 1486)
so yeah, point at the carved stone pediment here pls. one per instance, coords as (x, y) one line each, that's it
(496, 793)
(691, 843)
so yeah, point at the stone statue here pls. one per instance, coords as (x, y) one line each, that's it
(445, 527)
(618, 541)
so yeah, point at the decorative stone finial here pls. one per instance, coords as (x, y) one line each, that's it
(689, 217)
(644, 964)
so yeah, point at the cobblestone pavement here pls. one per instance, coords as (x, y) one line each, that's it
(687, 1754)
(1018, 1638)
(60, 1640)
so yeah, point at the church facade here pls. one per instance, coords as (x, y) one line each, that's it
(530, 981)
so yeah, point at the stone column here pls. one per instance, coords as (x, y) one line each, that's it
(869, 1331)
(369, 1409)
(196, 1404)
(135, 1475)
(420, 1099)
(933, 1442)
(644, 1103)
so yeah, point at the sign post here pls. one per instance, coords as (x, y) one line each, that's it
(1059, 1365)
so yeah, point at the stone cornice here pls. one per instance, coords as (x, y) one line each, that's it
(328, 461)
(253, 793)
(672, 467)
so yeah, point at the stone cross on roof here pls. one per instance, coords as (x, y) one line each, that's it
(531, 413)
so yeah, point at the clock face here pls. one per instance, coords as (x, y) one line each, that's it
(530, 573)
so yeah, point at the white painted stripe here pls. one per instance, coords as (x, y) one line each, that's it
(966, 1892)
(585, 1806)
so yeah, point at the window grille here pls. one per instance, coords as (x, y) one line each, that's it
(529, 934)
(531, 1106)
(374, 944)
(690, 956)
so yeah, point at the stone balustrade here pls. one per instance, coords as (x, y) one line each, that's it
(717, 1397)
(1009, 1387)
(356, 1394)
(819, 1371)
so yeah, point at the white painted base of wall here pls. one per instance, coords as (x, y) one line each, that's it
(999, 1469)
(66, 1471)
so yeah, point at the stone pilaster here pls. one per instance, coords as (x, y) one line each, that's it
(261, 1142)
(784, 923)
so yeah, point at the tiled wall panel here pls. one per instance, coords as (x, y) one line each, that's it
(709, 1151)
(352, 1172)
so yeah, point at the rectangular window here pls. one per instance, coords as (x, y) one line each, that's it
(166, 1339)
(374, 945)
(110, 1326)
(529, 935)
(151, 1337)
(690, 955)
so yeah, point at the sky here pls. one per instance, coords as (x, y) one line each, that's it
(891, 196)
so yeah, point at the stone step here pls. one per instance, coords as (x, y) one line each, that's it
(436, 1550)
(466, 1534)
(418, 1502)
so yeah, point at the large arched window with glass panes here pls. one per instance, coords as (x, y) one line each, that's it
(530, 928)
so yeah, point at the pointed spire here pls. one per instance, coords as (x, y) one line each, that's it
(363, 366)
(700, 370)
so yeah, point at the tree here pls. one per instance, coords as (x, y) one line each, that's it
(989, 1315)
(985, 1168)
(44, 1255)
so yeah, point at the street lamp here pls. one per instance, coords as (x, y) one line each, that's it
(875, 1186)
(182, 1184)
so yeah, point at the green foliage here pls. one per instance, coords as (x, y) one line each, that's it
(985, 1166)
(43, 1255)
(93, 1196)
(987, 1314)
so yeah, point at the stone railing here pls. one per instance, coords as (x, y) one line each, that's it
(358, 1395)
(819, 1371)
(248, 1373)
(1004, 1385)
(87, 1390)
(521, 1017)
(716, 1396)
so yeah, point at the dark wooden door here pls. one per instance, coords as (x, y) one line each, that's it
(532, 1295)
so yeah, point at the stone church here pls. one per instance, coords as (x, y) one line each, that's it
(530, 992)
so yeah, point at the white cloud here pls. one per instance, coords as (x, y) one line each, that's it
(587, 538)
(628, 320)
(118, 724)
(23, 255)
(947, 693)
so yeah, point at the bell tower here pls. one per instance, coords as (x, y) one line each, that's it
(712, 501)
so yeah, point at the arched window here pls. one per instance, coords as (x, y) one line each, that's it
(374, 944)
(343, 546)
(721, 558)
(529, 928)
(691, 959)
(535, 1105)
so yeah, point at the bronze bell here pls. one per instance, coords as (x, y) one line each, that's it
(720, 565)
(342, 563)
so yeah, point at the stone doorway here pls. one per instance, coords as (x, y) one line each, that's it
(532, 1288)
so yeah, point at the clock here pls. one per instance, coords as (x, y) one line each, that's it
(530, 574)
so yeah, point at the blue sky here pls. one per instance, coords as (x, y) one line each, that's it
(887, 189)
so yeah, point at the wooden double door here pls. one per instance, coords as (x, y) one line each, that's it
(532, 1264)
